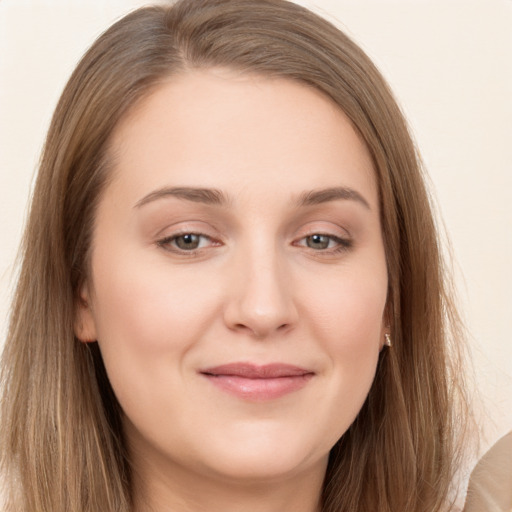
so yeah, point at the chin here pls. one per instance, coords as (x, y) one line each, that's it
(266, 456)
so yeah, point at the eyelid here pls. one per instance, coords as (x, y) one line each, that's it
(326, 228)
(172, 237)
(343, 243)
(334, 233)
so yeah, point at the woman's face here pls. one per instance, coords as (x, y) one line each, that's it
(238, 280)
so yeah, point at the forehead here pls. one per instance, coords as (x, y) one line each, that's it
(240, 132)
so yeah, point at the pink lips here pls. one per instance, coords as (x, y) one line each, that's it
(258, 383)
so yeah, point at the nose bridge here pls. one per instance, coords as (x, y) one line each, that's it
(262, 298)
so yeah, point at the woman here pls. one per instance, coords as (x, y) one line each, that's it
(232, 296)
(490, 485)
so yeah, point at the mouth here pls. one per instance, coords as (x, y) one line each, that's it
(258, 382)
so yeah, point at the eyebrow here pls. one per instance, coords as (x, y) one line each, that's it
(209, 196)
(216, 197)
(326, 195)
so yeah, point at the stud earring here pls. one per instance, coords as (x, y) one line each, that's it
(387, 338)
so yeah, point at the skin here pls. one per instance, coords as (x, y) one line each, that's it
(259, 288)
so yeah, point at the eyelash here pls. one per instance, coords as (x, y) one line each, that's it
(165, 243)
(343, 244)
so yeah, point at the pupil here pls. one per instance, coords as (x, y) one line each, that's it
(318, 241)
(189, 241)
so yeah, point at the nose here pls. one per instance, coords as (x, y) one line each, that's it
(261, 299)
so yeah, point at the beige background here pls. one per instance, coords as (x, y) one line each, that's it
(450, 64)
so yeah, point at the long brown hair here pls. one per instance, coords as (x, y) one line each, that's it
(62, 446)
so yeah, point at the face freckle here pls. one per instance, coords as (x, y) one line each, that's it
(239, 276)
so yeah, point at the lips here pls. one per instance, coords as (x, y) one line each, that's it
(258, 383)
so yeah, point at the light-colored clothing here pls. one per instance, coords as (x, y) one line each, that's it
(490, 484)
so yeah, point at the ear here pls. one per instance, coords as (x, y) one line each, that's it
(383, 332)
(84, 326)
(386, 326)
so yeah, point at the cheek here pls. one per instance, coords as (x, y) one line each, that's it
(348, 322)
(143, 304)
(349, 311)
(147, 319)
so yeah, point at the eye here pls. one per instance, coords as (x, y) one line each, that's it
(318, 241)
(185, 242)
(323, 242)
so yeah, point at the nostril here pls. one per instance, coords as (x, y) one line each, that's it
(260, 307)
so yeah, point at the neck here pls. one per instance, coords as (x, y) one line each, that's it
(168, 487)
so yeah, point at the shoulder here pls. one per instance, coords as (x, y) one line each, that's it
(490, 484)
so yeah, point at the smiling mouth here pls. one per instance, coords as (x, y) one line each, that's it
(258, 383)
